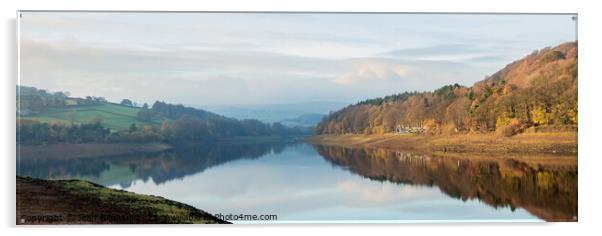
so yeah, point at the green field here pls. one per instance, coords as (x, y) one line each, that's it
(114, 116)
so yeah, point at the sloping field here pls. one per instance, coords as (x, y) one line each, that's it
(114, 116)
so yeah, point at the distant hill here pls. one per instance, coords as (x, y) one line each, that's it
(277, 112)
(305, 120)
(539, 89)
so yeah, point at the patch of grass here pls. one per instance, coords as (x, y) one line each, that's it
(163, 209)
(89, 200)
(114, 116)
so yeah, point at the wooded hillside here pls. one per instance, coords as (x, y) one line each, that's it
(538, 90)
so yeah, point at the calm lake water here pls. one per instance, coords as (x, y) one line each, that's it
(300, 182)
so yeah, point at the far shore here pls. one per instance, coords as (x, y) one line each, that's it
(548, 143)
(63, 151)
(542, 143)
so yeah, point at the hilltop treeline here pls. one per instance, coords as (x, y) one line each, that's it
(540, 89)
(186, 123)
(31, 100)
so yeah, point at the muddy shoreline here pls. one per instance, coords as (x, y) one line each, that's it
(536, 143)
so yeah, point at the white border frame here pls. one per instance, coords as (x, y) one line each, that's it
(589, 98)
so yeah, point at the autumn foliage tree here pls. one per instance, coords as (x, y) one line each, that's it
(538, 90)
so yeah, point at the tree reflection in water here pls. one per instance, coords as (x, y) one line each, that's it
(160, 167)
(546, 186)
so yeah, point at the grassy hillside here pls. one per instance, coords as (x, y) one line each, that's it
(45, 118)
(539, 90)
(83, 202)
(113, 116)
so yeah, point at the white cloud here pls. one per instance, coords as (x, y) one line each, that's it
(370, 70)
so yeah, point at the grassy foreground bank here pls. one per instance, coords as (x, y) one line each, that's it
(560, 143)
(82, 202)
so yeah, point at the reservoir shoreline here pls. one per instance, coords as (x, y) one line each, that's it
(526, 143)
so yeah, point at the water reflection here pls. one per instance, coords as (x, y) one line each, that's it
(296, 181)
(160, 167)
(546, 186)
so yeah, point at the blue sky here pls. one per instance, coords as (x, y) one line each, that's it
(203, 59)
